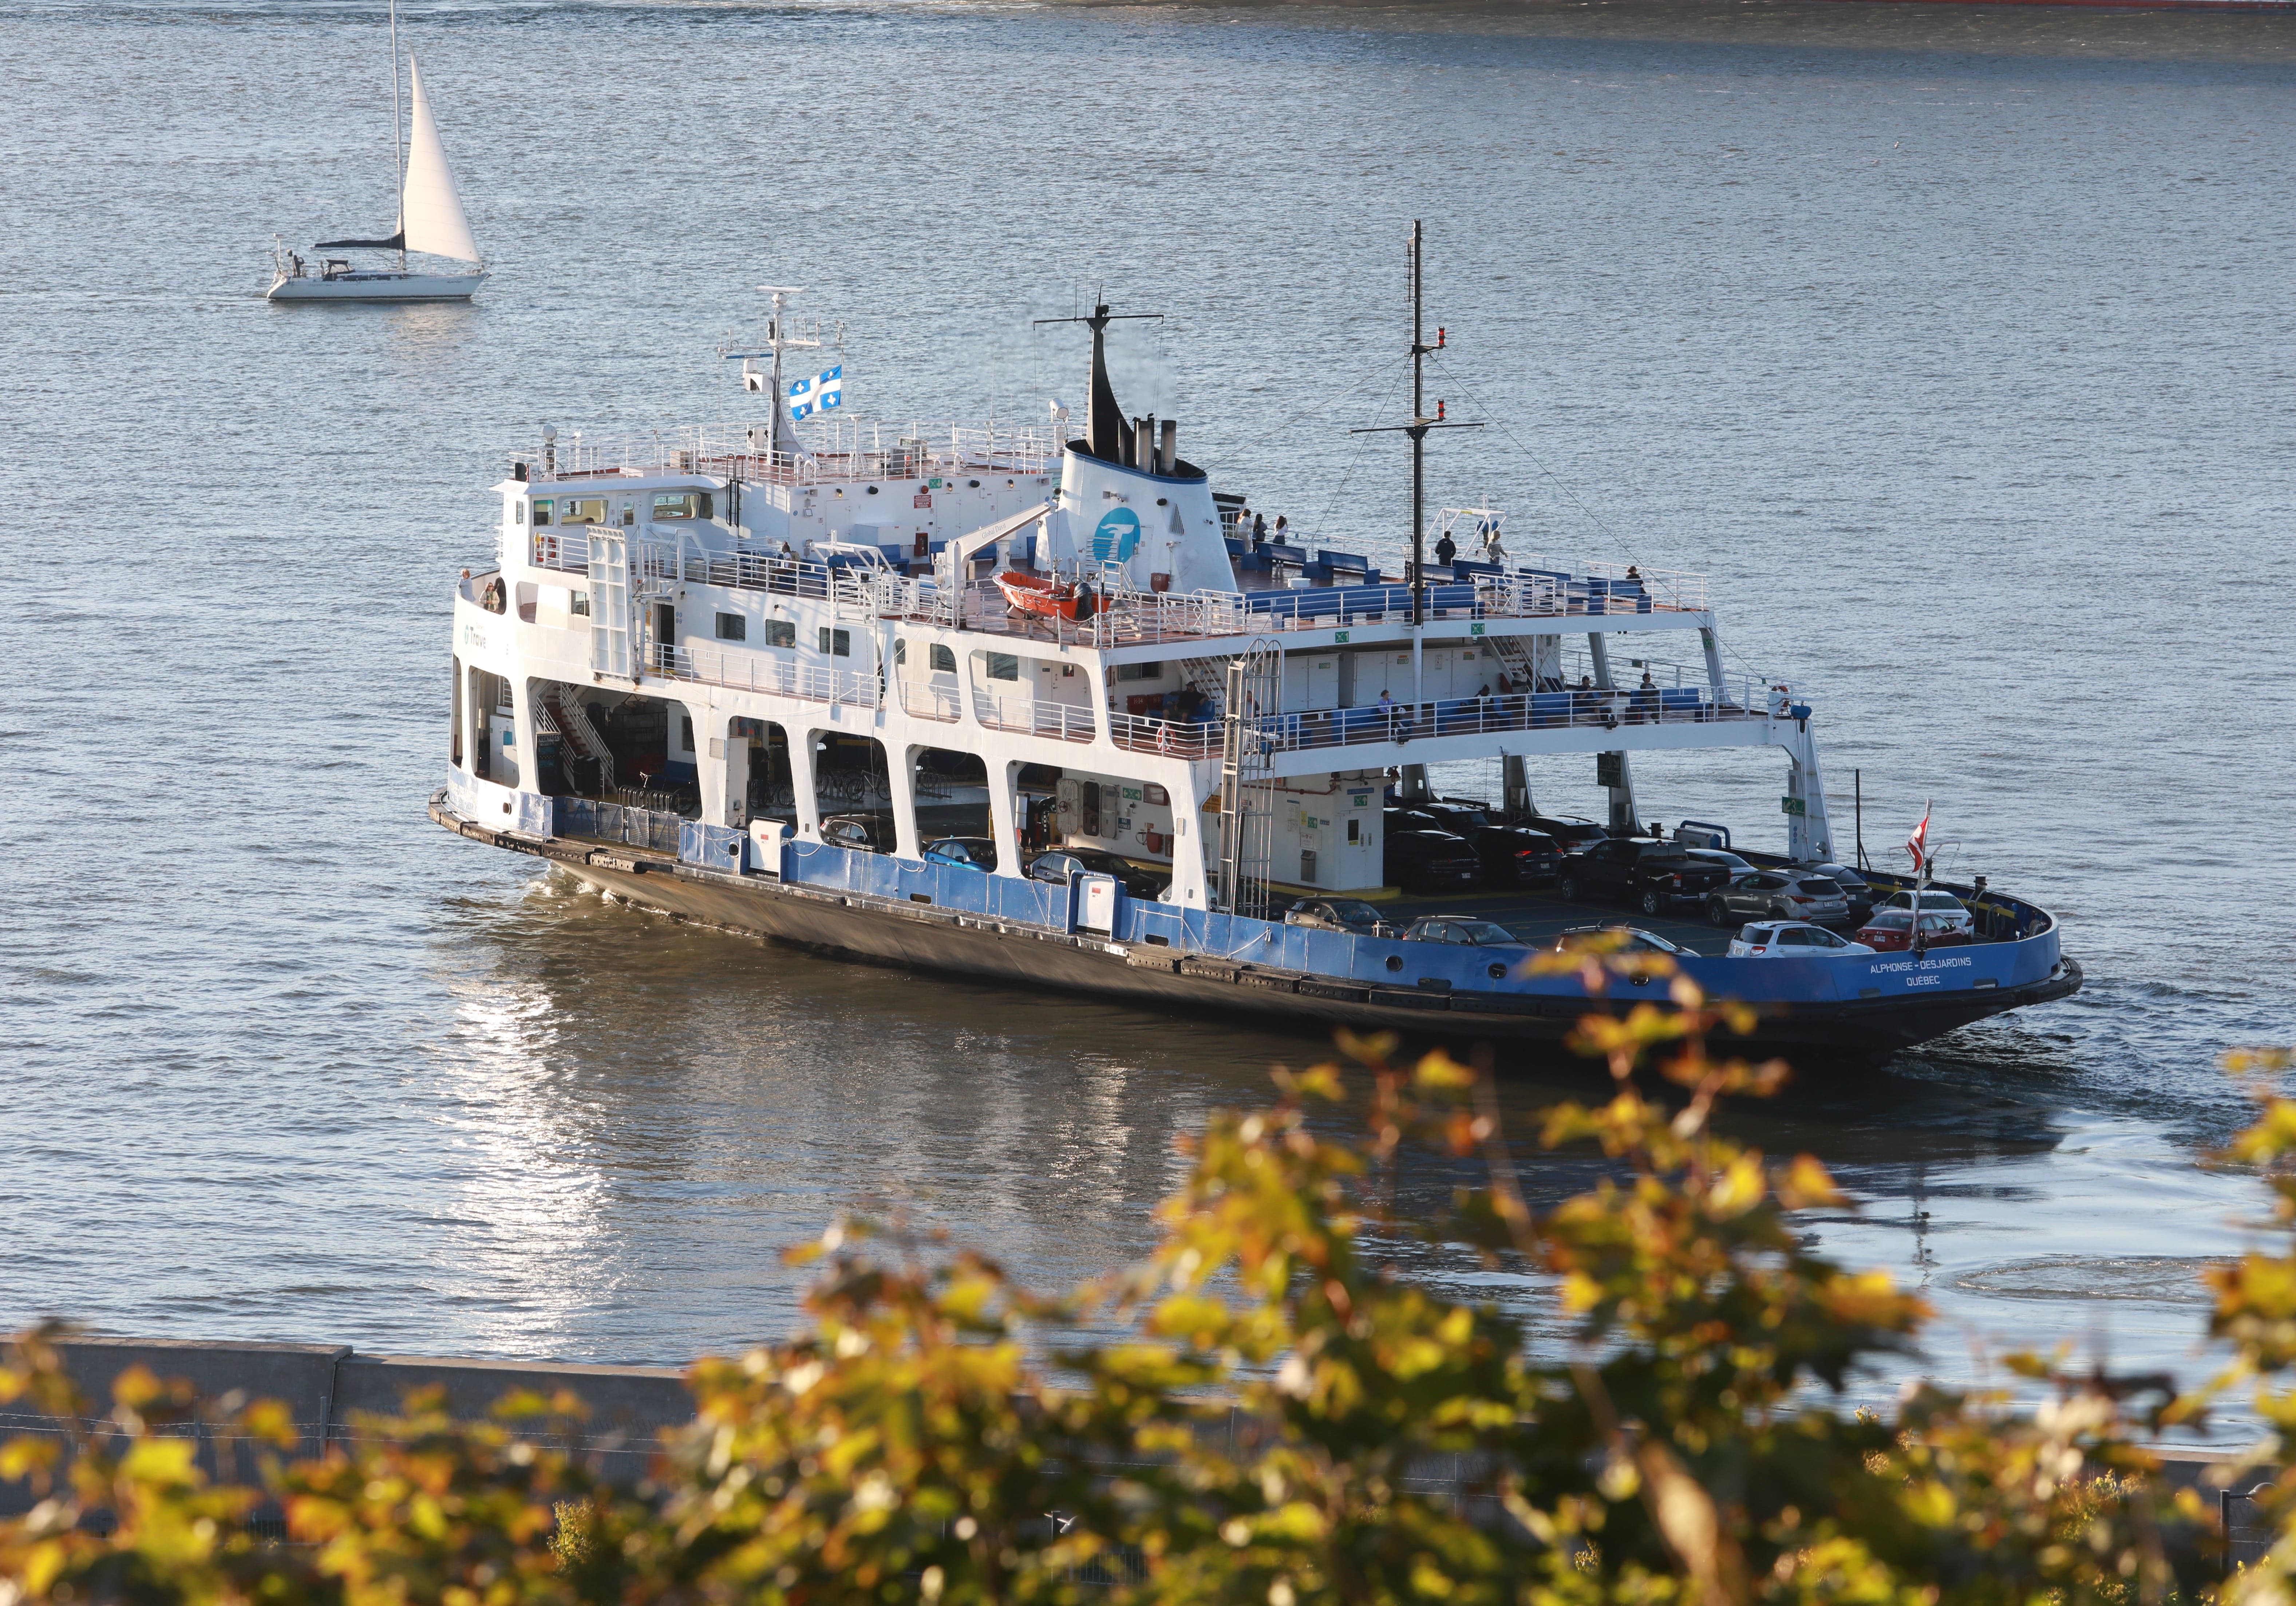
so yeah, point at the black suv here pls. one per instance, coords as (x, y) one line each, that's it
(1654, 875)
(1574, 837)
(1511, 855)
(1428, 861)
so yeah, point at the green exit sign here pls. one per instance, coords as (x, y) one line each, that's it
(1792, 806)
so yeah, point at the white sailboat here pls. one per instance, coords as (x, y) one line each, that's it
(430, 220)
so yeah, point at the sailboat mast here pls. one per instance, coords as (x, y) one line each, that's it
(397, 140)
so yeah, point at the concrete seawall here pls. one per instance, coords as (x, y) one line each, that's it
(325, 1386)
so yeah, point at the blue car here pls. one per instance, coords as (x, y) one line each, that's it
(967, 853)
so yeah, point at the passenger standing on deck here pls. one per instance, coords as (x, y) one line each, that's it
(1493, 551)
(1281, 524)
(1446, 549)
(1259, 531)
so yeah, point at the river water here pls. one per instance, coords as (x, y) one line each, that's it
(1953, 344)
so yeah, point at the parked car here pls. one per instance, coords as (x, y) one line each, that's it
(1464, 928)
(1891, 931)
(967, 853)
(1934, 902)
(1654, 875)
(1141, 880)
(855, 831)
(1573, 835)
(1779, 893)
(1723, 856)
(1511, 855)
(1429, 861)
(1854, 886)
(1638, 940)
(1338, 914)
(1791, 939)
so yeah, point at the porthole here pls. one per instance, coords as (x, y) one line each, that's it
(1395, 962)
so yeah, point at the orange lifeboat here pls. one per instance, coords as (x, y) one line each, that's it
(1033, 594)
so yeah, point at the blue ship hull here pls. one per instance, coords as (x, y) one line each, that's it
(961, 921)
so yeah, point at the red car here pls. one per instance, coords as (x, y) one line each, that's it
(1891, 931)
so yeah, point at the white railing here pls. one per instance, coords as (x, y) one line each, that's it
(1672, 589)
(765, 672)
(1064, 721)
(1746, 691)
(1171, 738)
(566, 550)
(926, 700)
(1490, 715)
(837, 449)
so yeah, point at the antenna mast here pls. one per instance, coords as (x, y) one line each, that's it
(1417, 429)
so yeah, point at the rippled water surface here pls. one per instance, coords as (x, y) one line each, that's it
(1953, 343)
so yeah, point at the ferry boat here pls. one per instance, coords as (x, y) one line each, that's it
(805, 689)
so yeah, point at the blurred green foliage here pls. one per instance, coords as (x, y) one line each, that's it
(1287, 1419)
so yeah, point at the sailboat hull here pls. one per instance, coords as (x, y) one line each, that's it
(378, 287)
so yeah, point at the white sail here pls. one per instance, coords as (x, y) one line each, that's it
(431, 210)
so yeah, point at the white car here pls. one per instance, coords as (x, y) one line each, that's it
(1791, 940)
(1958, 915)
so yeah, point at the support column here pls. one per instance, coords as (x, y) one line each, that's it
(736, 794)
(901, 784)
(1611, 770)
(803, 803)
(1515, 785)
(1809, 835)
(1713, 661)
(1004, 820)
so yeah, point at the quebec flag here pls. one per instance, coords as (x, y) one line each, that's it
(818, 394)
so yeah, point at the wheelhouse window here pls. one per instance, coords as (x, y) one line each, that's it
(780, 633)
(836, 643)
(581, 604)
(1002, 666)
(518, 513)
(732, 627)
(681, 504)
(579, 509)
(542, 510)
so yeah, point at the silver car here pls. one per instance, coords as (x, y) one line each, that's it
(1776, 894)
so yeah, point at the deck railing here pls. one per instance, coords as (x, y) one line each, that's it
(1125, 617)
(1170, 738)
(837, 450)
(925, 701)
(1064, 721)
(764, 672)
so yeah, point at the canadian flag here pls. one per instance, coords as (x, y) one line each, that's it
(1918, 844)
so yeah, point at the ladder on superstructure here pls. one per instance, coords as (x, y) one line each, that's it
(1247, 781)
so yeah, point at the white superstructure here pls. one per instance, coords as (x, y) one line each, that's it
(770, 642)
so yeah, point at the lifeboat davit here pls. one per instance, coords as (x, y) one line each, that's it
(1033, 594)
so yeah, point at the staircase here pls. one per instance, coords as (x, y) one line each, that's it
(1521, 672)
(566, 718)
(1208, 678)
